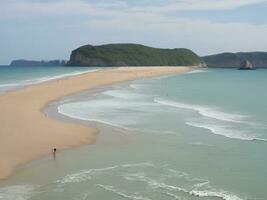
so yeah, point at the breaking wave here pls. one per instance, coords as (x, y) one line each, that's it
(205, 111)
(224, 131)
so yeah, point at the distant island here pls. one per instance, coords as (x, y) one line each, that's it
(34, 63)
(241, 60)
(132, 55)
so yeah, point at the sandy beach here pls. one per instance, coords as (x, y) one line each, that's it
(26, 133)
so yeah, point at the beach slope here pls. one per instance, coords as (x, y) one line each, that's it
(26, 133)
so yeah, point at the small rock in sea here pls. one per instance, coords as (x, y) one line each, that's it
(246, 65)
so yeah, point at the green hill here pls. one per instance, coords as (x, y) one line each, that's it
(132, 55)
(235, 60)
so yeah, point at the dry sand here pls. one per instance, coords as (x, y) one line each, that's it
(26, 133)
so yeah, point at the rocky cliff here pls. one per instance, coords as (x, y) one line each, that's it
(236, 60)
(132, 55)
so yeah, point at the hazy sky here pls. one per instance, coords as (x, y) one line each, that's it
(50, 29)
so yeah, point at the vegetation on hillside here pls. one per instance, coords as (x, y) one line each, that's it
(132, 55)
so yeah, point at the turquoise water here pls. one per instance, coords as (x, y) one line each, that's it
(199, 135)
(15, 77)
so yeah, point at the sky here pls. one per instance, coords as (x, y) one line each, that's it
(51, 29)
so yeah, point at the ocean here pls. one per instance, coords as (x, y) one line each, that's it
(197, 135)
(14, 77)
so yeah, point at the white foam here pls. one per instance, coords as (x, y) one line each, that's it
(205, 111)
(75, 178)
(123, 94)
(61, 109)
(105, 105)
(171, 195)
(202, 184)
(9, 85)
(122, 193)
(197, 71)
(220, 124)
(137, 86)
(85, 175)
(154, 184)
(224, 131)
(16, 192)
(219, 194)
(200, 187)
(105, 111)
(49, 78)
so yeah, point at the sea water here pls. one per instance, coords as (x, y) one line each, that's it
(13, 77)
(198, 135)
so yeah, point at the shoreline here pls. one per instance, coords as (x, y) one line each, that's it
(29, 134)
(13, 86)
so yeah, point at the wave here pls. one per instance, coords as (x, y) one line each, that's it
(156, 185)
(197, 187)
(122, 193)
(197, 71)
(65, 75)
(137, 86)
(219, 126)
(9, 86)
(224, 131)
(62, 111)
(218, 194)
(205, 111)
(85, 175)
(16, 192)
(104, 111)
(123, 94)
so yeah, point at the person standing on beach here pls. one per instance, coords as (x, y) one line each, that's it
(54, 153)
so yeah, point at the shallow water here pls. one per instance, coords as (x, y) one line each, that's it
(198, 135)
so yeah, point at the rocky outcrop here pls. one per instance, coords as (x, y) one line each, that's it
(132, 55)
(235, 60)
(246, 65)
(34, 63)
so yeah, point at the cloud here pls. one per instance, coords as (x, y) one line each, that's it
(203, 36)
(197, 5)
(24, 8)
(78, 22)
(113, 8)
